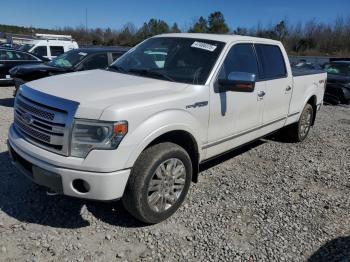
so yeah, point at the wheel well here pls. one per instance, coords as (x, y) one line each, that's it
(187, 142)
(313, 101)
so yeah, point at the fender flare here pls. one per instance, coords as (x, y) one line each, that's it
(188, 124)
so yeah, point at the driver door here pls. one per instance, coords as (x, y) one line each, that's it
(235, 117)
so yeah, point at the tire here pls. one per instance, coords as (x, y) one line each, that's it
(299, 131)
(149, 180)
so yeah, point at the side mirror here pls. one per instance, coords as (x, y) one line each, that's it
(239, 82)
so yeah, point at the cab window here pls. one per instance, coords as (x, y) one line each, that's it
(241, 58)
(272, 61)
(56, 50)
(40, 51)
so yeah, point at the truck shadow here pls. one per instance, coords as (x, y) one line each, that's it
(337, 249)
(28, 203)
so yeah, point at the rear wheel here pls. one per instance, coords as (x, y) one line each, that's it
(158, 183)
(298, 132)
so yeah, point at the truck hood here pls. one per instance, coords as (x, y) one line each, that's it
(96, 90)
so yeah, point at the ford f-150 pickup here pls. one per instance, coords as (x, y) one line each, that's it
(138, 130)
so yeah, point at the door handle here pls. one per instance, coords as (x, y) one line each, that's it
(261, 94)
(288, 88)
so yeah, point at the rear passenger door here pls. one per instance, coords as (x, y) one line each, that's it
(278, 85)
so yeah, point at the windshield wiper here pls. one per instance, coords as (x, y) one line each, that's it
(152, 73)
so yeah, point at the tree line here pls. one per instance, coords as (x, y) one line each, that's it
(310, 38)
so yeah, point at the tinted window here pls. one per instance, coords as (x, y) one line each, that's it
(12, 55)
(56, 50)
(98, 61)
(69, 59)
(241, 58)
(271, 60)
(40, 51)
(27, 57)
(2, 55)
(338, 69)
(115, 56)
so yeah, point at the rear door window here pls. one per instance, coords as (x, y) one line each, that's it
(271, 61)
(56, 50)
(40, 51)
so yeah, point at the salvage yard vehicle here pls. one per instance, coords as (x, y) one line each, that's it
(338, 82)
(139, 130)
(10, 58)
(74, 60)
(50, 46)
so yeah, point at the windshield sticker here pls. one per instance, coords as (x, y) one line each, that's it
(204, 46)
(82, 53)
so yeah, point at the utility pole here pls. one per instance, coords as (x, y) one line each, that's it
(86, 20)
(86, 30)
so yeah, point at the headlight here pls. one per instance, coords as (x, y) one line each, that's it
(88, 135)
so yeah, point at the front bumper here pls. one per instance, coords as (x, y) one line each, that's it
(102, 186)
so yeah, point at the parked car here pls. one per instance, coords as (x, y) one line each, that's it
(74, 60)
(10, 46)
(338, 82)
(139, 130)
(50, 46)
(10, 58)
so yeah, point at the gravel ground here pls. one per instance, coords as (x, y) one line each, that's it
(271, 201)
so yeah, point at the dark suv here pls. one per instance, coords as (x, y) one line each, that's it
(74, 60)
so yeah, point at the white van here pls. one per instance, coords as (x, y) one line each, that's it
(50, 46)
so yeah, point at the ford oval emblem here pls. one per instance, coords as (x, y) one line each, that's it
(27, 118)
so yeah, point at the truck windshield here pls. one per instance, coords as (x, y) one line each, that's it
(338, 69)
(68, 60)
(26, 47)
(185, 60)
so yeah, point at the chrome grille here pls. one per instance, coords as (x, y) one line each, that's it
(44, 120)
(36, 111)
(32, 132)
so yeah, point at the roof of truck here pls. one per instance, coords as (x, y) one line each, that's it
(220, 37)
(101, 49)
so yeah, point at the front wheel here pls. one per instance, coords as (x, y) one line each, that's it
(159, 182)
(298, 132)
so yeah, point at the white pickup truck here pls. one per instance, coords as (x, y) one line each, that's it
(138, 130)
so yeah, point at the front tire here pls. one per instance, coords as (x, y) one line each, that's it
(159, 182)
(299, 131)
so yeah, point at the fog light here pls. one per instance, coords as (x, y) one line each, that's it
(81, 186)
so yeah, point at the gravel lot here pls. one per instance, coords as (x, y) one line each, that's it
(271, 201)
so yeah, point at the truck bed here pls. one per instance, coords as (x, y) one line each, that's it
(305, 72)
